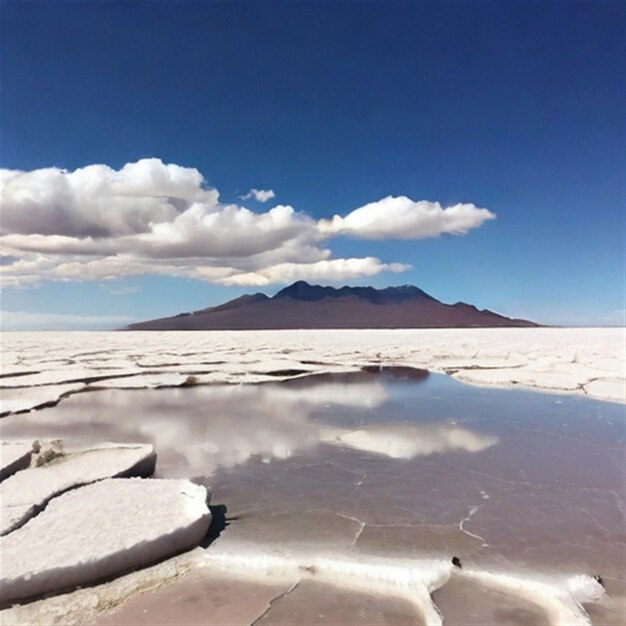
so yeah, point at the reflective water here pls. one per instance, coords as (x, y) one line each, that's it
(387, 465)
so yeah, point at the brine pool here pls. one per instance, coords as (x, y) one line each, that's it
(388, 467)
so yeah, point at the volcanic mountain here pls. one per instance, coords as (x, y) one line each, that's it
(311, 306)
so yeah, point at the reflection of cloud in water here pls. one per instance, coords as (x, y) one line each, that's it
(366, 395)
(405, 441)
(197, 430)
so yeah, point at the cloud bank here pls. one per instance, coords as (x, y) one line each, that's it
(98, 223)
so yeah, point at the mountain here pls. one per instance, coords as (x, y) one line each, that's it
(311, 306)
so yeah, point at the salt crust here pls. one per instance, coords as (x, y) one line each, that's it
(584, 361)
(14, 455)
(19, 399)
(79, 606)
(560, 597)
(26, 492)
(411, 579)
(101, 530)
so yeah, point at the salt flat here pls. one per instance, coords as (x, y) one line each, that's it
(40, 368)
(336, 488)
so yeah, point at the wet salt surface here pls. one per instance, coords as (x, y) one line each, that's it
(369, 465)
(457, 601)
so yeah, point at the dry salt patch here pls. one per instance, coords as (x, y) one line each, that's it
(142, 381)
(16, 400)
(99, 531)
(25, 493)
(60, 374)
(607, 390)
(14, 456)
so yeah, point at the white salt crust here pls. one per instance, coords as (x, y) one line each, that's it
(27, 491)
(582, 361)
(14, 456)
(99, 531)
(411, 579)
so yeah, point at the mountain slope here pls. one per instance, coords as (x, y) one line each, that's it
(311, 306)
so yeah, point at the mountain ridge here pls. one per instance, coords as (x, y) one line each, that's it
(302, 305)
(301, 290)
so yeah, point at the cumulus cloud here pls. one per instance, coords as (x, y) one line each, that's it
(403, 218)
(326, 271)
(260, 195)
(98, 201)
(98, 223)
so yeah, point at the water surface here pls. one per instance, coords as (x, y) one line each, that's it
(387, 465)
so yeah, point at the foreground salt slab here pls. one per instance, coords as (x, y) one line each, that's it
(25, 493)
(101, 530)
(81, 605)
(14, 456)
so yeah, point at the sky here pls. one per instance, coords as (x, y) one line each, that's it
(159, 157)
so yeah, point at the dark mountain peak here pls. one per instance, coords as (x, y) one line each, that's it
(463, 306)
(237, 302)
(404, 292)
(301, 290)
(302, 305)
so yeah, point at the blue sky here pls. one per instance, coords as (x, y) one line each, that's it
(511, 108)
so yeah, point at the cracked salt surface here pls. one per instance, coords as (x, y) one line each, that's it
(14, 456)
(26, 492)
(588, 361)
(70, 542)
(303, 506)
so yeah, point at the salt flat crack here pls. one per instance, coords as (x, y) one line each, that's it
(16, 374)
(280, 596)
(619, 502)
(358, 521)
(471, 513)
(464, 368)
(70, 381)
(357, 484)
(595, 521)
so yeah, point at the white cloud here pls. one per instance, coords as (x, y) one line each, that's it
(403, 218)
(327, 271)
(230, 232)
(97, 223)
(260, 195)
(99, 201)
(21, 320)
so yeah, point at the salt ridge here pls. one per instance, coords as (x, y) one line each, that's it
(411, 579)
